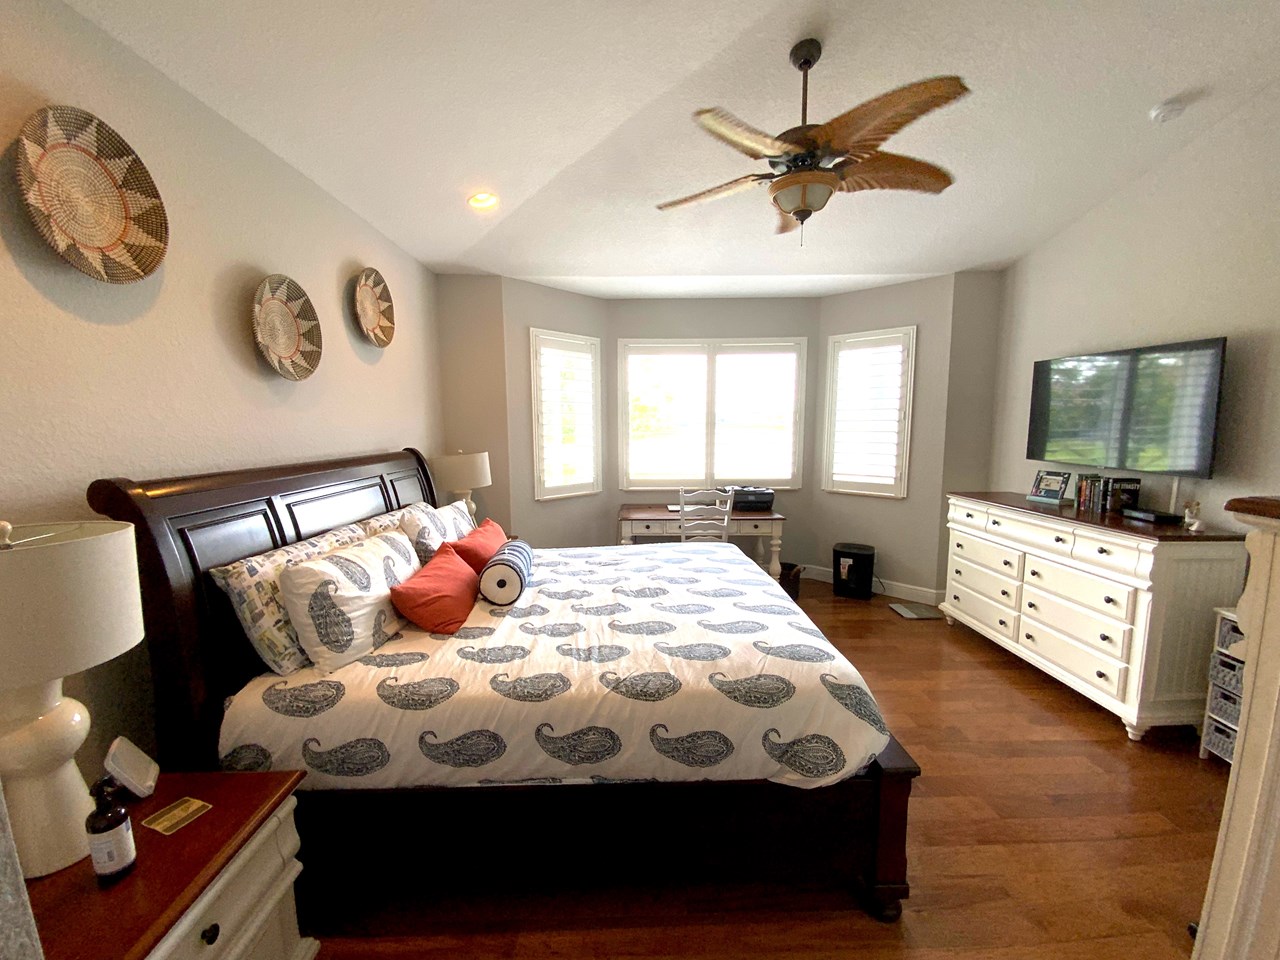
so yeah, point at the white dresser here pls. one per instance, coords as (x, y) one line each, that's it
(1120, 611)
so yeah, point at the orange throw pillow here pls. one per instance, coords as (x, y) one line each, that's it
(439, 597)
(479, 546)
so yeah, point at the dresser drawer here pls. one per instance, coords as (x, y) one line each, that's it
(220, 922)
(987, 612)
(1002, 590)
(1121, 558)
(1105, 596)
(1002, 559)
(1053, 539)
(1102, 633)
(1098, 671)
(967, 515)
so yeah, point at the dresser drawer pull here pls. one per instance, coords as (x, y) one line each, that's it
(995, 523)
(959, 546)
(210, 934)
(646, 526)
(1108, 599)
(1059, 539)
(1099, 674)
(1104, 551)
(1004, 593)
(1035, 573)
(755, 526)
(968, 516)
(1030, 637)
(1031, 604)
(958, 573)
(955, 598)
(1007, 563)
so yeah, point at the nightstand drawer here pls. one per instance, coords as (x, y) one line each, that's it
(1101, 672)
(991, 585)
(227, 919)
(1000, 619)
(1105, 596)
(1111, 637)
(1000, 558)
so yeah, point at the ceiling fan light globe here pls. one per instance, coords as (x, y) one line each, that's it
(806, 190)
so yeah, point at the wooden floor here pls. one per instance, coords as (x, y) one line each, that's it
(1037, 831)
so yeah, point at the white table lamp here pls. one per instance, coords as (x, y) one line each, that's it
(69, 600)
(461, 473)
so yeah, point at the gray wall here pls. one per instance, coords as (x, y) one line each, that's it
(161, 376)
(1188, 250)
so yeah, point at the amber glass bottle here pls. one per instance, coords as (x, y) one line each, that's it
(110, 833)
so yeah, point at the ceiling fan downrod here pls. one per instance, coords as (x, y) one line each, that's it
(803, 56)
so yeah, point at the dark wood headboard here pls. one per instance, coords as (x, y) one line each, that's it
(187, 525)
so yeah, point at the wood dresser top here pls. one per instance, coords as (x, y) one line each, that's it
(1103, 521)
(78, 920)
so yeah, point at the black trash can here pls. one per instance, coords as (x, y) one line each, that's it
(851, 566)
(790, 579)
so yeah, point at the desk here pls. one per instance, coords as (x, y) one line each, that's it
(655, 520)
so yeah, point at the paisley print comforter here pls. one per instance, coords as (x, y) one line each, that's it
(652, 662)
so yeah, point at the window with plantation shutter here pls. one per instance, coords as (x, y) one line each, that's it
(868, 423)
(566, 414)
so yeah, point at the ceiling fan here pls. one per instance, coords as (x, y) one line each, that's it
(812, 162)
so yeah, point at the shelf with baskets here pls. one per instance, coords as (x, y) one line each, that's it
(1226, 687)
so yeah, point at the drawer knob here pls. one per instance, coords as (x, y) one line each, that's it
(1004, 593)
(755, 526)
(955, 598)
(1030, 637)
(995, 523)
(1108, 599)
(1103, 550)
(959, 546)
(1104, 638)
(958, 573)
(210, 934)
(968, 516)
(1100, 675)
(1031, 604)
(1059, 539)
(646, 526)
(1002, 623)
(1035, 573)
(1007, 563)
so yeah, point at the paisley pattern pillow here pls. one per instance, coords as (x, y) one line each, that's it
(386, 522)
(340, 604)
(253, 586)
(457, 518)
(429, 527)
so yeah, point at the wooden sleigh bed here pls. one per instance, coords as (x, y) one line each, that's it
(852, 832)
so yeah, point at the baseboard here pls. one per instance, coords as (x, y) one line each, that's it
(900, 591)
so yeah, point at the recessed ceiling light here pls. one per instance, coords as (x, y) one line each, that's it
(483, 201)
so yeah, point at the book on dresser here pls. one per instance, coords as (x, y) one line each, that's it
(1119, 610)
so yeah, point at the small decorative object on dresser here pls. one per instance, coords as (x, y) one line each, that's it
(1226, 687)
(374, 310)
(224, 879)
(286, 328)
(1118, 610)
(1050, 486)
(90, 196)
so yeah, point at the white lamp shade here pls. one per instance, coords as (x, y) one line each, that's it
(69, 599)
(805, 190)
(461, 471)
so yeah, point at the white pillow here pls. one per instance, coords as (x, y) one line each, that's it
(457, 518)
(428, 527)
(340, 604)
(384, 522)
(253, 586)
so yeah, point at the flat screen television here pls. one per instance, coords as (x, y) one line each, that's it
(1150, 409)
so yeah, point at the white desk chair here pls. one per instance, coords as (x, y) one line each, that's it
(704, 514)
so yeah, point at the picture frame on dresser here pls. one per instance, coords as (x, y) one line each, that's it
(1118, 610)
(1050, 486)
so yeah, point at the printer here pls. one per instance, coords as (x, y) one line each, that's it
(754, 499)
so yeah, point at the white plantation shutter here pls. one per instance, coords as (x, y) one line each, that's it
(711, 412)
(566, 414)
(869, 378)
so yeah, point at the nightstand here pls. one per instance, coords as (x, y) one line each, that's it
(220, 888)
(1226, 687)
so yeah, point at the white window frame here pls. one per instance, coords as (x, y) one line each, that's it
(538, 338)
(898, 489)
(711, 347)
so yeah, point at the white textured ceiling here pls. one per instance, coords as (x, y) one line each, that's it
(577, 113)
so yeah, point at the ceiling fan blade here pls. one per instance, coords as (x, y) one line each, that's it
(743, 137)
(785, 223)
(860, 132)
(891, 171)
(722, 190)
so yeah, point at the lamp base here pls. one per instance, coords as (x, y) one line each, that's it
(40, 731)
(465, 496)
